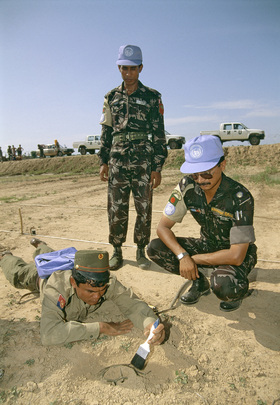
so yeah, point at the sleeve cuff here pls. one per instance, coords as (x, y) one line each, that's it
(93, 330)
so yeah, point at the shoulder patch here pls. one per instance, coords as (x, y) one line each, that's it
(169, 209)
(175, 197)
(161, 108)
(61, 302)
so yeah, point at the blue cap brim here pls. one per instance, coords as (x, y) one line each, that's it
(129, 62)
(198, 167)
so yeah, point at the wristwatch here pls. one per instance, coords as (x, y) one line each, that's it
(181, 255)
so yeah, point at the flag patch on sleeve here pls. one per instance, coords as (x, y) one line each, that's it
(175, 197)
(61, 302)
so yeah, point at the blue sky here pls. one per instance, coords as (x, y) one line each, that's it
(212, 61)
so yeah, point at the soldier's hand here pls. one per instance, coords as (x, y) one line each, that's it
(159, 334)
(103, 172)
(155, 179)
(188, 268)
(115, 328)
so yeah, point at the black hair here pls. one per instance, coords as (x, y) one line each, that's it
(81, 279)
(222, 158)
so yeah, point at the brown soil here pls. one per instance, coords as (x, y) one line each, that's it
(210, 357)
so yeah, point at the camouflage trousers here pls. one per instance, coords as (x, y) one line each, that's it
(125, 177)
(229, 283)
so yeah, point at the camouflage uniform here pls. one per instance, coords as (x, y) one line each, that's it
(226, 220)
(131, 161)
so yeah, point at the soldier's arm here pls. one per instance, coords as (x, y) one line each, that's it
(140, 314)
(158, 135)
(106, 144)
(234, 256)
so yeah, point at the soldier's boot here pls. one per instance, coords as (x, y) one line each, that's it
(142, 261)
(36, 242)
(116, 260)
(200, 286)
(229, 306)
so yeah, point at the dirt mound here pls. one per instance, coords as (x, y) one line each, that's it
(260, 155)
(65, 164)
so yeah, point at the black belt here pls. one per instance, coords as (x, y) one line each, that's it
(131, 136)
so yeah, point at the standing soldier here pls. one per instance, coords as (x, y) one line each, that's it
(10, 152)
(13, 152)
(19, 152)
(1, 155)
(131, 161)
(41, 149)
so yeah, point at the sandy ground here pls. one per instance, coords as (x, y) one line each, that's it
(210, 357)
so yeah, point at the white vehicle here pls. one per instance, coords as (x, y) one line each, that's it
(235, 131)
(90, 144)
(51, 150)
(174, 141)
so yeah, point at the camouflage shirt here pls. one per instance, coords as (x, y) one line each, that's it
(226, 220)
(142, 112)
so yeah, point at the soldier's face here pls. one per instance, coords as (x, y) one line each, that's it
(214, 182)
(130, 74)
(90, 295)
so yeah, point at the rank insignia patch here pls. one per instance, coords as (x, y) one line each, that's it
(61, 302)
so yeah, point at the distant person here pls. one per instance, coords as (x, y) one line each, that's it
(71, 298)
(131, 161)
(10, 153)
(1, 155)
(13, 152)
(19, 152)
(224, 210)
(56, 144)
(41, 150)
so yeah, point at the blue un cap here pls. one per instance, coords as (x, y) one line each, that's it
(202, 153)
(129, 55)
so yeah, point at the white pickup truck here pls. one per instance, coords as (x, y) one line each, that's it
(91, 143)
(174, 141)
(235, 131)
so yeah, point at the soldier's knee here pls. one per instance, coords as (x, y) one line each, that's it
(226, 286)
(151, 248)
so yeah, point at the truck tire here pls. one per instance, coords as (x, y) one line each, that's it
(173, 145)
(254, 140)
(83, 150)
(59, 153)
(92, 151)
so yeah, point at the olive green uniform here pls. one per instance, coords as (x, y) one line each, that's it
(66, 318)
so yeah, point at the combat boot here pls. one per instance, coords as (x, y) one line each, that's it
(200, 286)
(116, 260)
(229, 306)
(142, 261)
